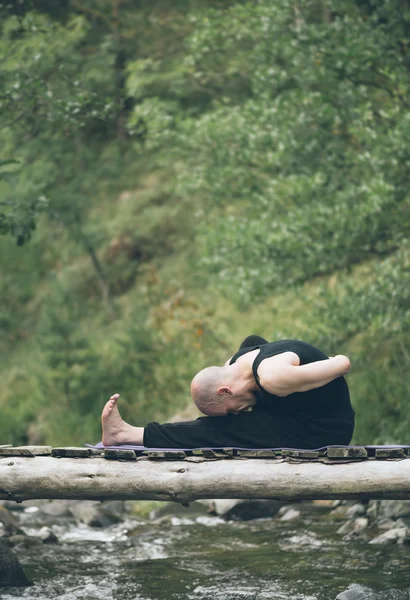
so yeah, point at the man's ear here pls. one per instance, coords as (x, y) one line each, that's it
(224, 391)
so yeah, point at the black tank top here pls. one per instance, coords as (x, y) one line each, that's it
(332, 399)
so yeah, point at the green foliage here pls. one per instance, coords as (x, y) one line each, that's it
(312, 161)
(187, 162)
(301, 163)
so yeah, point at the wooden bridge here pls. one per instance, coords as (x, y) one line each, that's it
(34, 472)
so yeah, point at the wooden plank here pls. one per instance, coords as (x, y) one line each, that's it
(256, 454)
(218, 453)
(359, 453)
(166, 455)
(70, 452)
(96, 451)
(119, 454)
(305, 454)
(197, 452)
(195, 459)
(156, 455)
(209, 453)
(228, 452)
(15, 451)
(390, 453)
(221, 453)
(25, 450)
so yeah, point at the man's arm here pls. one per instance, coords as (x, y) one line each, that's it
(284, 375)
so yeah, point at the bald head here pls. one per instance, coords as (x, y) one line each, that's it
(209, 387)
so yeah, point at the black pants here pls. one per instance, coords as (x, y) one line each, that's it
(256, 429)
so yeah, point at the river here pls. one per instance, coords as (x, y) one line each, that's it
(195, 556)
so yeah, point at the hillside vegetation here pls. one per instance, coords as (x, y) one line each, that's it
(176, 176)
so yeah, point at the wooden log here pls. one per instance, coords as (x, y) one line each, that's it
(99, 479)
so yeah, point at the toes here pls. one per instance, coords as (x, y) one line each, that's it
(110, 405)
(107, 410)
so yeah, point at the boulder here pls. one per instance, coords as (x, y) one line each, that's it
(356, 592)
(23, 540)
(47, 536)
(167, 510)
(245, 510)
(360, 523)
(97, 514)
(353, 527)
(384, 523)
(11, 505)
(356, 510)
(8, 521)
(340, 512)
(373, 509)
(54, 508)
(360, 592)
(402, 523)
(11, 571)
(391, 536)
(290, 515)
(394, 508)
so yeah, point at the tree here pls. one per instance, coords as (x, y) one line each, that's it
(48, 109)
(301, 163)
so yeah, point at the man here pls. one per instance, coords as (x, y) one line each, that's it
(298, 396)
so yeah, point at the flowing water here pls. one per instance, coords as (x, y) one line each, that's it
(200, 557)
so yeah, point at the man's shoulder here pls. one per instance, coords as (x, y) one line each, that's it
(306, 351)
(241, 352)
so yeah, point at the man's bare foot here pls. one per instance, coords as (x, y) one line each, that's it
(115, 431)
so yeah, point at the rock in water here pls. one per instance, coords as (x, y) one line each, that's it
(394, 508)
(245, 510)
(47, 536)
(390, 537)
(360, 592)
(356, 592)
(9, 521)
(11, 571)
(95, 514)
(355, 511)
(290, 515)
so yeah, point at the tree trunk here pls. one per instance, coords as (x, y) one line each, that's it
(96, 478)
(102, 280)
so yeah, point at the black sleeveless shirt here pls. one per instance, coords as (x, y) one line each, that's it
(330, 400)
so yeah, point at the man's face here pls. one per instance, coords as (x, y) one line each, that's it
(234, 405)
